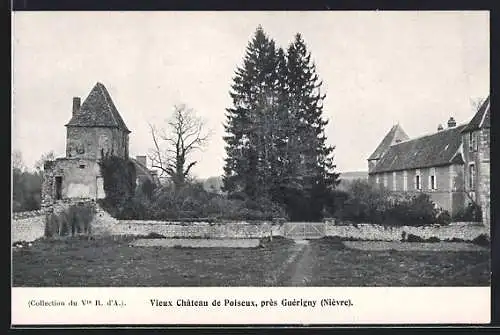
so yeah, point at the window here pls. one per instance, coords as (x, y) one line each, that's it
(394, 181)
(473, 144)
(432, 179)
(418, 182)
(377, 180)
(405, 180)
(385, 179)
(472, 176)
(82, 166)
(58, 187)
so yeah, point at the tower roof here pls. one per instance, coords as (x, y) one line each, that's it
(395, 135)
(98, 110)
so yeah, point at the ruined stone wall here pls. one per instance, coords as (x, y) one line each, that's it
(27, 226)
(86, 142)
(47, 197)
(79, 179)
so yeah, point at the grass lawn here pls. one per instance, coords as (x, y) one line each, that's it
(104, 262)
(327, 262)
(347, 267)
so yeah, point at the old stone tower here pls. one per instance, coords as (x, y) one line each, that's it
(95, 128)
(476, 150)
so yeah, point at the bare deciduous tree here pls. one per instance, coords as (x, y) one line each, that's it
(476, 103)
(173, 146)
(17, 161)
(48, 156)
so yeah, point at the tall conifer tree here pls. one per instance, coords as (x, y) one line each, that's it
(276, 145)
(250, 122)
(315, 159)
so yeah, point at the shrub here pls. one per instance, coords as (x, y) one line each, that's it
(119, 177)
(147, 188)
(414, 238)
(482, 240)
(74, 220)
(416, 210)
(443, 218)
(154, 236)
(365, 202)
(471, 213)
(136, 208)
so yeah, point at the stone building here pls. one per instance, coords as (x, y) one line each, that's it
(451, 165)
(95, 129)
(476, 151)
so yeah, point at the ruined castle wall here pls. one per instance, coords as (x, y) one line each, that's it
(86, 142)
(27, 226)
(79, 180)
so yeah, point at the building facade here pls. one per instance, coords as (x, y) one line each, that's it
(94, 130)
(450, 165)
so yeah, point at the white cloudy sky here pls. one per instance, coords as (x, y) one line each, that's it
(378, 68)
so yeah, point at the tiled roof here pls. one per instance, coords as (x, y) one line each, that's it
(441, 148)
(395, 134)
(98, 110)
(482, 117)
(141, 170)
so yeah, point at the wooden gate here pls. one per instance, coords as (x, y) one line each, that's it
(304, 230)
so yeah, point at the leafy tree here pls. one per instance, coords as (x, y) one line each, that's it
(27, 185)
(119, 179)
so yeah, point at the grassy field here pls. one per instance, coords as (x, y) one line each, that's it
(326, 262)
(398, 268)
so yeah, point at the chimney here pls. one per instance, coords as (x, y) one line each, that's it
(76, 105)
(141, 160)
(451, 122)
(440, 127)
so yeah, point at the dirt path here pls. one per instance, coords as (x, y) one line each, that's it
(281, 273)
(299, 273)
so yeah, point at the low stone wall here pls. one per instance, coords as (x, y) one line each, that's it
(27, 214)
(27, 228)
(191, 230)
(466, 231)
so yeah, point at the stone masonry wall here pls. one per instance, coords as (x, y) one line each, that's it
(466, 231)
(190, 230)
(79, 179)
(483, 182)
(27, 226)
(87, 142)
